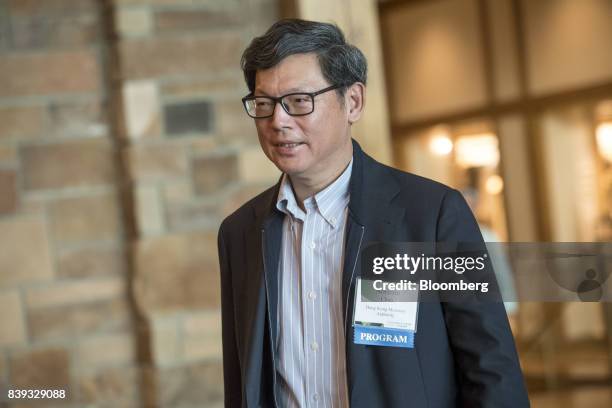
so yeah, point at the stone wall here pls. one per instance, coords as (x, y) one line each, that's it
(64, 293)
(123, 144)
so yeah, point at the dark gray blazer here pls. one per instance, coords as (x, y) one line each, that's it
(464, 353)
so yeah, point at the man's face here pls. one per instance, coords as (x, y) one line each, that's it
(303, 146)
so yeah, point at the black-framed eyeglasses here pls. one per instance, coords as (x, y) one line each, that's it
(295, 104)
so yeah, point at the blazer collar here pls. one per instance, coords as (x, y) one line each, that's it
(372, 189)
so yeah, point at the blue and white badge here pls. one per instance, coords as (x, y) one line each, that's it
(384, 323)
(382, 336)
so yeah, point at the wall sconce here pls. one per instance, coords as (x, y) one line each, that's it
(494, 184)
(441, 145)
(604, 140)
(477, 150)
(439, 141)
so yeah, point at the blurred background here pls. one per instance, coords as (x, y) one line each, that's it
(123, 144)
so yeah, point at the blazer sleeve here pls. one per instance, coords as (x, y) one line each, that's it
(489, 372)
(231, 366)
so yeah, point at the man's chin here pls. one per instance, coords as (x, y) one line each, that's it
(291, 171)
(289, 168)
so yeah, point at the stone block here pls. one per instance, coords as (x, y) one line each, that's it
(22, 122)
(134, 21)
(202, 336)
(3, 371)
(12, 317)
(70, 321)
(202, 322)
(106, 350)
(157, 162)
(8, 191)
(265, 13)
(33, 206)
(255, 167)
(110, 387)
(78, 291)
(188, 216)
(192, 20)
(42, 32)
(42, 369)
(166, 340)
(176, 272)
(149, 211)
(188, 117)
(29, 74)
(240, 196)
(177, 192)
(180, 55)
(231, 83)
(51, 7)
(177, 3)
(233, 123)
(214, 172)
(68, 164)
(25, 255)
(91, 218)
(5, 32)
(91, 262)
(142, 110)
(8, 154)
(78, 119)
(199, 384)
(203, 146)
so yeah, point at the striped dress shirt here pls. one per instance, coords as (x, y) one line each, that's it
(311, 371)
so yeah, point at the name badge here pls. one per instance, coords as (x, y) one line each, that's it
(387, 323)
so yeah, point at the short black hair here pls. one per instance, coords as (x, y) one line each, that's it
(341, 63)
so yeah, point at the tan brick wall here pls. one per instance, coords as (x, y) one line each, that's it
(64, 300)
(115, 172)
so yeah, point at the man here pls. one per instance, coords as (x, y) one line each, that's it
(289, 256)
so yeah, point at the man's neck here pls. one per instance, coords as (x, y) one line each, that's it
(307, 187)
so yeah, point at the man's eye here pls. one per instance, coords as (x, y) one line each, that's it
(299, 100)
(262, 104)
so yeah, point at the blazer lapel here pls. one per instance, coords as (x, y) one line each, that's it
(272, 234)
(371, 217)
(260, 292)
(254, 296)
(353, 242)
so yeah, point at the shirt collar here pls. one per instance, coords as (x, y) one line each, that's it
(286, 201)
(324, 201)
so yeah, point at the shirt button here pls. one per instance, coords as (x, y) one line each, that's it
(315, 397)
(312, 295)
(333, 220)
(312, 245)
(314, 346)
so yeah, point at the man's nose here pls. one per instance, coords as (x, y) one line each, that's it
(280, 118)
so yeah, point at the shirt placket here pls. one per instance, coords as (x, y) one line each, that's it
(296, 227)
(311, 342)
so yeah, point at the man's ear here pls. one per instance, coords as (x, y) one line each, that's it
(354, 98)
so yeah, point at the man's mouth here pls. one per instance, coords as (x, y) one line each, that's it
(288, 144)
